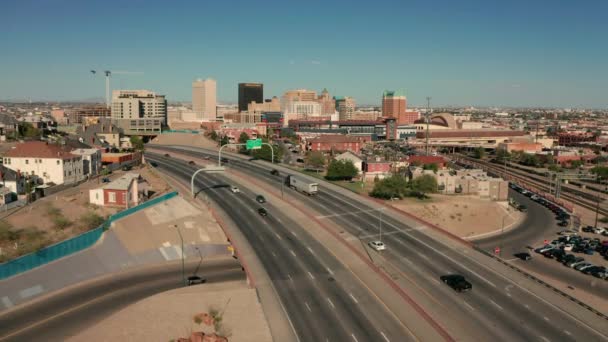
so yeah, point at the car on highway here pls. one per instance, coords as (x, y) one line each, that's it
(194, 280)
(167, 155)
(523, 256)
(234, 189)
(456, 282)
(191, 162)
(260, 199)
(274, 172)
(522, 208)
(262, 212)
(377, 245)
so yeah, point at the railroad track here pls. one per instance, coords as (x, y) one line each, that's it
(537, 183)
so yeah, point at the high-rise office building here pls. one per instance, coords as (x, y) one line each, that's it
(300, 95)
(204, 99)
(250, 92)
(345, 106)
(136, 104)
(393, 103)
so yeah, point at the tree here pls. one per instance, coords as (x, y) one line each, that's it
(600, 171)
(431, 166)
(529, 160)
(479, 153)
(265, 153)
(341, 170)
(137, 143)
(501, 155)
(424, 184)
(243, 140)
(224, 141)
(213, 135)
(391, 187)
(575, 164)
(315, 159)
(27, 130)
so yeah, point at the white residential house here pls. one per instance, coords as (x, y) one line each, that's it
(357, 161)
(91, 160)
(49, 162)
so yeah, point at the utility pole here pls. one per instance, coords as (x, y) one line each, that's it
(428, 120)
(183, 264)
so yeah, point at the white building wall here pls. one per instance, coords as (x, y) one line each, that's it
(96, 196)
(56, 170)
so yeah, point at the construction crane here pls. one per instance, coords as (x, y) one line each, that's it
(108, 73)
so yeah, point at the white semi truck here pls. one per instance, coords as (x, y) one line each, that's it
(302, 185)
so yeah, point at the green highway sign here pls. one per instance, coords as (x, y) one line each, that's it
(254, 144)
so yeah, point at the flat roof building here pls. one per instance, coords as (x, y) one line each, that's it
(250, 92)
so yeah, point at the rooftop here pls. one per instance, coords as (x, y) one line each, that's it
(40, 149)
(121, 183)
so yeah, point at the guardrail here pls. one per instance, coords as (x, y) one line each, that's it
(191, 131)
(530, 276)
(70, 246)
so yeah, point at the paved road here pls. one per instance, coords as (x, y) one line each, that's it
(56, 317)
(540, 224)
(498, 307)
(323, 300)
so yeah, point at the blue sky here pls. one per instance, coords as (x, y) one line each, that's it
(511, 53)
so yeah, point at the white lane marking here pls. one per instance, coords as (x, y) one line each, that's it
(567, 333)
(278, 219)
(353, 297)
(544, 339)
(307, 306)
(278, 236)
(435, 280)
(407, 260)
(311, 276)
(31, 291)
(354, 337)
(7, 302)
(294, 234)
(251, 210)
(527, 306)
(385, 338)
(508, 295)
(498, 306)
(289, 277)
(164, 253)
(329, 270)
(348, 213)
(424, 256)
(367, 236)
(430, 247)
(546, 318)
(292, 252)
(469, 306)
(274, 254)
(310, 250)
(331, 303)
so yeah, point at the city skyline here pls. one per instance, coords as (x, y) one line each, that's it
(476, 54)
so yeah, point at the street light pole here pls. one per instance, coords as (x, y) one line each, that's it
(502, 231)
(183, 264)
(380, 237)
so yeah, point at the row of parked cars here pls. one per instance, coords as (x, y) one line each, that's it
(561, 215)
(596, 230)
(575, 243)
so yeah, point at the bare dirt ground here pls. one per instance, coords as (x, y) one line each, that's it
(61, 216)
(189, 139)
(464, 216)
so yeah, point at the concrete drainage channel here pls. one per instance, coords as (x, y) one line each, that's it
(528, 275)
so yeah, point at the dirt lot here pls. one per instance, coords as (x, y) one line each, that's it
(188, 139)
(465, 216)
(61, 216)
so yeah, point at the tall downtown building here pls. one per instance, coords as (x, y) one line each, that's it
(250, 92)
(394, 105)
(345, 106)
(139, 111)
(204, 99)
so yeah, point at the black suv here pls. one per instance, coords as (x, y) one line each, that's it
(274, 172)
(457, 282)
(262, 212)
(523, 256)
(260, 199)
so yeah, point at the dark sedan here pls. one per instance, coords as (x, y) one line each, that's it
(523, 256)
(457, 282)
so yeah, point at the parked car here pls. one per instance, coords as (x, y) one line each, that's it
(457, 282)
(105, 180)
(599, 230)
(583, 265)
(234, 189)
(576, 263)
(522, 208)
(262, 212)
(568, 258)
(563, 223)
(127, 168)
(576, 260)
(260, 199)
(588, 229)
(568, 247)
(593, 268)
(377, 245)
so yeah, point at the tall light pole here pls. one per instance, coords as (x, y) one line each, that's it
(380, 231)
(502, 231)
(183, 264)
(428, 120)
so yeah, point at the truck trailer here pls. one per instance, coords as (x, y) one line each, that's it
(302, 185)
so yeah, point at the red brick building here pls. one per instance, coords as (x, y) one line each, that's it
(336, 143)
(425, 160)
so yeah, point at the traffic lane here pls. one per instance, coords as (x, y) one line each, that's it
(556, 270)
(320, 275)
(474, 269)
(539, 223)
(78, 318)
(71, 297)
(307, 327)
(408, 256)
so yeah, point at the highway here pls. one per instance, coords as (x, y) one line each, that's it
(322, 299)
(67, 312)
(540, 224)
(497, 308)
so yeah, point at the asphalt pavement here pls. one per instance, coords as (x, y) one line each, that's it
(498, 307)
(65, 313)
(323, 300)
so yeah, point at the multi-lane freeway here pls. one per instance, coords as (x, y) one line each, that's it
(499, 307)
(65, 313)
(323, 300)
